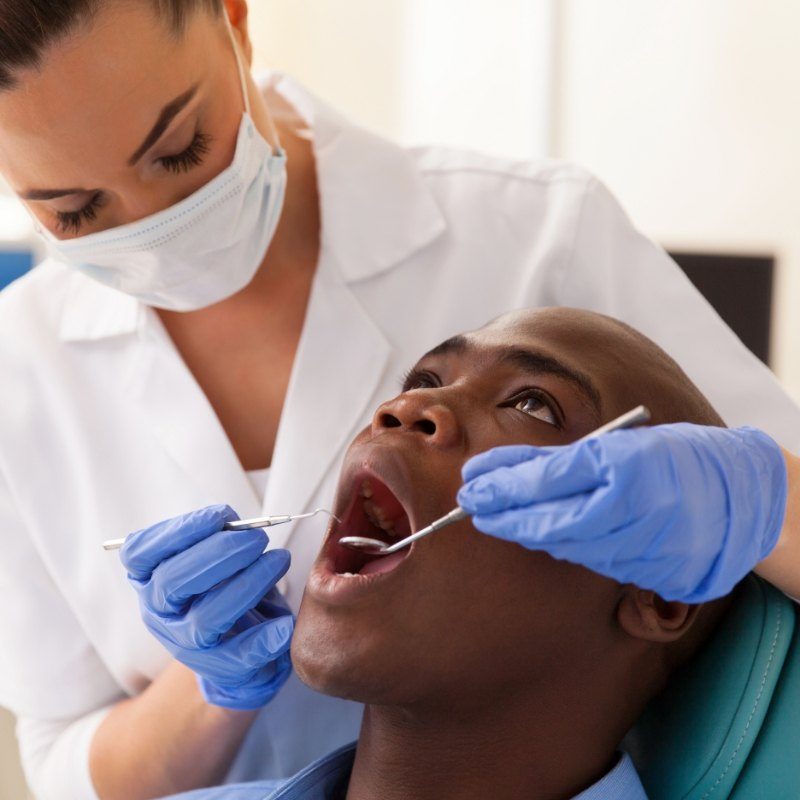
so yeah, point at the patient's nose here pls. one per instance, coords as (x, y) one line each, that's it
(419, 413)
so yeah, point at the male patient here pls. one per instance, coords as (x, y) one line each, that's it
(487, 671)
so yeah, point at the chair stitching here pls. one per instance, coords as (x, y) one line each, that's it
(753, 709)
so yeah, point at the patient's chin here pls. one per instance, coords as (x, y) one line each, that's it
(344, 669)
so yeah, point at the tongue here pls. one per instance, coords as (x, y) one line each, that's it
(383, 563)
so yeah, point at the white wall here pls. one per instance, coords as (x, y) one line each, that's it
(689, 111)
(349, 51)
(471, 73)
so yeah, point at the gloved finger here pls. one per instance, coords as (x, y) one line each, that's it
(257, 692)
(144, 550)
(559, 473)
(236, 659)
(271, 606)
(605, 524)
(539, 524)
(196, 570)
(508, 456)
(260, 644)
(214, 613)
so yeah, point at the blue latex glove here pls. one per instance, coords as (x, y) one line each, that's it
(684, 510)
(208, 596)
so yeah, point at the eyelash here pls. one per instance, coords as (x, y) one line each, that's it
(71, 221)
(541, 396)
(191, 157)
(422, 379)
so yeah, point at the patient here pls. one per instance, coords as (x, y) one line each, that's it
(488, 671)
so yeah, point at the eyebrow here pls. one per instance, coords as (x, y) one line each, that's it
(50, 194)
(168, 113)
(539, 363)
(455, 344)
(530, 361)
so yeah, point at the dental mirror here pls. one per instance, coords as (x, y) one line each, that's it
(375, 547)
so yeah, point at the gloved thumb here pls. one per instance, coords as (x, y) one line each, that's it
(550, 474)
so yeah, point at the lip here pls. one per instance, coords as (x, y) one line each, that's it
(382, 463)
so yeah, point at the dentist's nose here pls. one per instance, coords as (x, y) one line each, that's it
(422, 414)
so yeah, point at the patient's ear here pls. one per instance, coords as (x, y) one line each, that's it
(643, 614)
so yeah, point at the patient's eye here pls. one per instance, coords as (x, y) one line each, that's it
(534, 405)
(420, 379)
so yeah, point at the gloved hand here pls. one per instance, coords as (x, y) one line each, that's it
(684, 510)
(208, 596)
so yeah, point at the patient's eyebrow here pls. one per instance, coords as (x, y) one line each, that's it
(455, 344)
(539, 363)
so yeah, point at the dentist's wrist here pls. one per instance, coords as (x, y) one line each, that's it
(782, 566)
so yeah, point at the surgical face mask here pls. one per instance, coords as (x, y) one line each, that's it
(202, 250)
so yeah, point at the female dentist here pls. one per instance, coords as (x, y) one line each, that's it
(237, 276)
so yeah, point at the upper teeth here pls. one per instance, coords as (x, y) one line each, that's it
(374, 512)
(376, 517)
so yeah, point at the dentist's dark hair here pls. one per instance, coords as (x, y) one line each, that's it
(29, 27)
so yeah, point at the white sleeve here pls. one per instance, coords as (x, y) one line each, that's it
(51, 678)
(616, 270)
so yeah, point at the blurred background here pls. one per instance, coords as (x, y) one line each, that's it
(687, 110)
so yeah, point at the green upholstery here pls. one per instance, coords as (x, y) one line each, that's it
(728, 724)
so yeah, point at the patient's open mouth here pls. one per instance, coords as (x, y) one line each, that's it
(374, 512)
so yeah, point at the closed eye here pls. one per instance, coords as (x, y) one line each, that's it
(192, 156)
(72, 221)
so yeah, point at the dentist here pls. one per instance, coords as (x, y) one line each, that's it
(237, 276)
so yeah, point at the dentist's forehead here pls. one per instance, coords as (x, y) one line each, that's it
(94, 95)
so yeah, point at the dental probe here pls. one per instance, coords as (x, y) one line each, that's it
(375, 547)
(243, 525)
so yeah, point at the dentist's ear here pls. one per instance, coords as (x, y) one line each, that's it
(237, 12)
(645, 615)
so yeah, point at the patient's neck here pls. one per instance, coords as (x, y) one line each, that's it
(545, 745)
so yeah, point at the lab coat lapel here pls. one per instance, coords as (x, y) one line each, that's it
(340, 362)
(180, 415)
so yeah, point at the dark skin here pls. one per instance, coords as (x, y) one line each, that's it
(489, 670)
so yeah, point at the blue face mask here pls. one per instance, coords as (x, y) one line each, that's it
(202, 250)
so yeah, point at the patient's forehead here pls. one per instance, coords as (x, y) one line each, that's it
(572, 329)
(590, 343)
(608, 353)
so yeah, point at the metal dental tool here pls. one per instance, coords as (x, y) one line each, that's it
(243, 525)
(375, 547)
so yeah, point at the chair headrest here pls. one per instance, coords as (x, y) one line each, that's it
(726, 719)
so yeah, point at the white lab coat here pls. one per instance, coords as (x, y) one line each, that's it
(103, 429)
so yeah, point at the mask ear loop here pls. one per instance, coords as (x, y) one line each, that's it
(273, 131)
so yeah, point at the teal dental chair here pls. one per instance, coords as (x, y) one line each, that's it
(728, 725)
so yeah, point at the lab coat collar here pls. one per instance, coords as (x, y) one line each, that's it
(376, 208)
(376, 212)
(93, 311)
